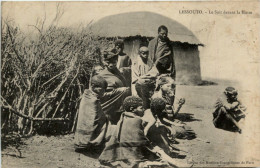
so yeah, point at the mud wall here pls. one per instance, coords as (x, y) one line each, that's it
(186, 57)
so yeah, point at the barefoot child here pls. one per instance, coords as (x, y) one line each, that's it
(92, 122)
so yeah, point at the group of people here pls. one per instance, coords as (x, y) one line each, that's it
(127, 115)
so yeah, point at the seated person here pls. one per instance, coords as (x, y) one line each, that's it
(128, 144)
(155, 130)
(140, 67)
(116, 91)
(92, 122)
(111, 73)
(166, 89)
(177, 130)
(229, 111)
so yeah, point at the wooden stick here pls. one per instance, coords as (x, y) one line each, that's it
(28, 117)
(50, 119)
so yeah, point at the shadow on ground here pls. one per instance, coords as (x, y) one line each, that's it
(186, 117)
(206, 83)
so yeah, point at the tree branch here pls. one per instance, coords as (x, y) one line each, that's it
(12, 110)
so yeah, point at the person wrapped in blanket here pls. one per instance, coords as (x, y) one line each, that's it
(92, 122)
(128, 144)
(117, 89)
(229, 111)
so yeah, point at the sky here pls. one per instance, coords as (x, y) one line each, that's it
(231, 41)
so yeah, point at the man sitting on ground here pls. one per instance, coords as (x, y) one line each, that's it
(229, 111)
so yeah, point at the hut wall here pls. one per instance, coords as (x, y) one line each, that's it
(132, 45)
(186, 57)
(187, 63)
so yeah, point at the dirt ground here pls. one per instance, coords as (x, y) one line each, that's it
(212, 147)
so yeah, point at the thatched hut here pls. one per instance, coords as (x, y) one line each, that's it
(137, 28)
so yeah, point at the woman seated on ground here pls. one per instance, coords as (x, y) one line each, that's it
(92, 122)
(111, 74)
(116, 91)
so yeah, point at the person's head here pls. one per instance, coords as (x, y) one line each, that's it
(133, 104)
(119, 45)
(144, 52)
(157, 106)
(231, 93)
(167, 85)
(163, 32)
(110, 60)
(98, 85)
(97, 69)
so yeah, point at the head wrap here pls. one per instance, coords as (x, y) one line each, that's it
(231, 91)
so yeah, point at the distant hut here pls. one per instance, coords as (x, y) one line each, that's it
(138, 28)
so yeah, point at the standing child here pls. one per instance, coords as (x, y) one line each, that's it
(124, 61)
(92, 122)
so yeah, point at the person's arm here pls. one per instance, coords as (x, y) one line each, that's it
(153, 73)
(148, 126)
(232, 120)
(222, 102)
(171, 123)
(135, 73)
(230, 106)
(149, 118)
(180, 103)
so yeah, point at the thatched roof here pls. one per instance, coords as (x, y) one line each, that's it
(143, 24)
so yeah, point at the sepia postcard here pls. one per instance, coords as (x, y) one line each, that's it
(130, 84)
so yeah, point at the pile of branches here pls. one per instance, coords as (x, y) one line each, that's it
(43, 76)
